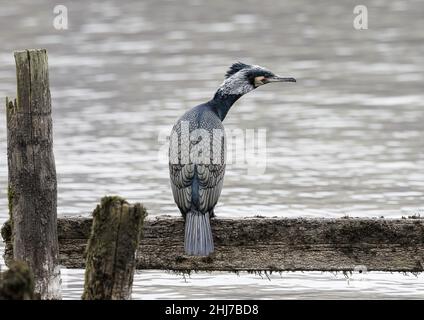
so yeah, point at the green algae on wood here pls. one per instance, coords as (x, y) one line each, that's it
(111, 250)
(17, 283)
(10, 197)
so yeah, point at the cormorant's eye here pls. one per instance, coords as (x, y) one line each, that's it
(260, 80)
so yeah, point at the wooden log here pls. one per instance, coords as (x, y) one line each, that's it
(111, 251)
(32, 173)
(17, 283)
(270, 244)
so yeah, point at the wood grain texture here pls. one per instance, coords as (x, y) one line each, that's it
(114, 239)
(270, 244)
(32, 173)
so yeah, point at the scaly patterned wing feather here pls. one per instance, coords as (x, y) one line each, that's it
(181, 174)
(211, 178)
(181, 177)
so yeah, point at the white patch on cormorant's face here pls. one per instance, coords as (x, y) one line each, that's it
(238, 83)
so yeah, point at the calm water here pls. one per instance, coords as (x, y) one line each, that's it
(347, 139)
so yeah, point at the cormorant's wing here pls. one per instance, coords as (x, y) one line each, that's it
(211, 178)
(181, 173)
(211, 173)
(181, 178)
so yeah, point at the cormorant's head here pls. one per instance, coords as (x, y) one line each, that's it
(242, 78)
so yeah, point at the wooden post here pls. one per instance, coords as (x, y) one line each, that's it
(32, 173)
(17, 283)
(111, 251)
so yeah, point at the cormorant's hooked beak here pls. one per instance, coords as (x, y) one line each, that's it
(280, 79)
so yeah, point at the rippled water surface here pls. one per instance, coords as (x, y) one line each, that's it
(346, 139)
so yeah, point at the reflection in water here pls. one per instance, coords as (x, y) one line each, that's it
(345, 140)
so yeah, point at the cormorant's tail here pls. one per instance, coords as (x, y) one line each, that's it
(198, 234)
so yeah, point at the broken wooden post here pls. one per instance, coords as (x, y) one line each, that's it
(111, 250)
(32, 173)
(17, 283)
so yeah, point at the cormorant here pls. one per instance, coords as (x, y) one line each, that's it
(197, 154)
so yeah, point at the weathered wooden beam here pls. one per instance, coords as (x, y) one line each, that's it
(114, 239)
(272, 244)
(32, 173)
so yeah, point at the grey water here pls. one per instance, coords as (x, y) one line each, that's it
(346, 139)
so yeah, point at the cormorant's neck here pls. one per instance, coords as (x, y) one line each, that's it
(223, 103)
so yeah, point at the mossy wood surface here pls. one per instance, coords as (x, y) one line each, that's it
(113, 242)
(17, 283)
(32, 174)
(272, 244)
